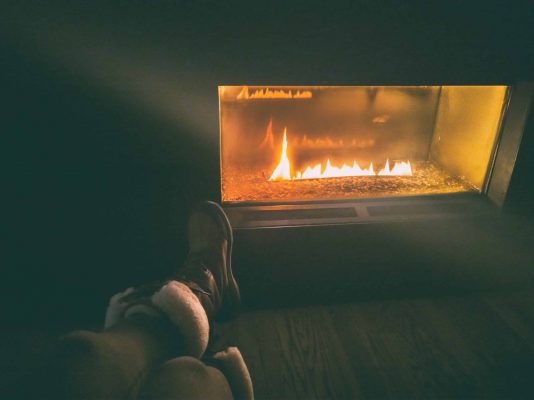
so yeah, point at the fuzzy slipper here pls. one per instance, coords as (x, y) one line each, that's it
(177, 302)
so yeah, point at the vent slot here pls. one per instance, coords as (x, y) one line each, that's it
(312, 213)
(418, 209)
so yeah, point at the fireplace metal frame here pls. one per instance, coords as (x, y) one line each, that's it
(512, 129)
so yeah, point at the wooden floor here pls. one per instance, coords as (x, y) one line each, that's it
(477, 346)
(474, 346)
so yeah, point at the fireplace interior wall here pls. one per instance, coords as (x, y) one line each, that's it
(448, 133)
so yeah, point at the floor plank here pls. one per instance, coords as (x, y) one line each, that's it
(296, 354)
(517, 310)
(458, 347)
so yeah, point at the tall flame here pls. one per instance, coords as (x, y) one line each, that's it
(283, 169)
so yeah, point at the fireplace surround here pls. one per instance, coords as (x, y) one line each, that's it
(307, 155)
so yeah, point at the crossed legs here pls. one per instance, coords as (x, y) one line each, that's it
(157, 333)
(138, 358)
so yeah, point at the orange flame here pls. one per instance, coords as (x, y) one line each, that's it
(331, 171)
(268, 140)
(283, 169)
(273, 94)
(400, 168)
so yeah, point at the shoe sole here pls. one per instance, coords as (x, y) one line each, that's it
(232, 300)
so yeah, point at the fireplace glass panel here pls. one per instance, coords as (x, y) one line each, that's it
(303, 143)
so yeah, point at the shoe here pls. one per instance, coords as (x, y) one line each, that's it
(208, 267)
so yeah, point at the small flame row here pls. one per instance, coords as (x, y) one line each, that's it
(283, 169)
(273, 94)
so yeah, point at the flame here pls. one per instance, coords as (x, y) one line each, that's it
(268, 140)
(283, 169)
(400, 168)
(331, 171)
(273, 94)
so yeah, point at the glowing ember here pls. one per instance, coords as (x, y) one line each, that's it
(283, 169)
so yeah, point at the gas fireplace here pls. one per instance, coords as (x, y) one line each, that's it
(309, 144)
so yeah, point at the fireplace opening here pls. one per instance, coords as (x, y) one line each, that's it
(315, 143)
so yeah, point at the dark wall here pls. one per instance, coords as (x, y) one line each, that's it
(96, 194)
(110, 117)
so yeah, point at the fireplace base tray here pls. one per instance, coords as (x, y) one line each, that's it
(458, 205)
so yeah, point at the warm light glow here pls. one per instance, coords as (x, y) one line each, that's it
(283, 169)
(273, 94)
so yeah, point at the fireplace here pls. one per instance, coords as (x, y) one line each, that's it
(317, 153)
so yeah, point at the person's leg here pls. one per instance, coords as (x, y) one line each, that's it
(140, 333)
(186, 378)
(112, 364)
(145, 328)
(224, 375)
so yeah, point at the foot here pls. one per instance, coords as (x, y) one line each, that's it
(208, 268)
